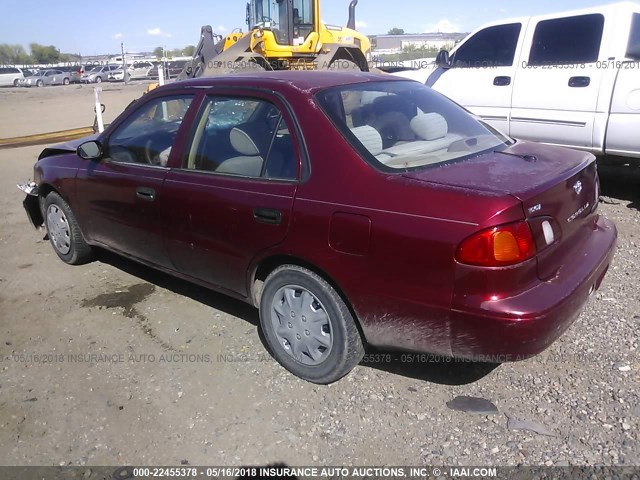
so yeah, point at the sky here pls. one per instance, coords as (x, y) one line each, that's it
(98, 27)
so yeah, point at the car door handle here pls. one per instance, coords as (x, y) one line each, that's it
(502, 81)
(144, 193)
(579, 82)
(267, 215)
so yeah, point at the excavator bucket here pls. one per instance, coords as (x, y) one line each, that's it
(210, 59)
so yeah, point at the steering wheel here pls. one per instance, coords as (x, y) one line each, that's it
(148, 153)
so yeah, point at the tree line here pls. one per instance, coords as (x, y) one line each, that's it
(18, 55)
(50, 54)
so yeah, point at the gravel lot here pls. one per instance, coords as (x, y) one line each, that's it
(112, 363)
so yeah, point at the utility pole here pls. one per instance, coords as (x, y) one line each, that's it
(124, 65)
(164, 60)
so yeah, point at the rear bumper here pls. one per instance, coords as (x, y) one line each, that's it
(515, 328)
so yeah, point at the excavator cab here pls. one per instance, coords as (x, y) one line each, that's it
(291, 21)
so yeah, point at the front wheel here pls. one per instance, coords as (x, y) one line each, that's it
(65, 81)
(308, 327)
(40, 83)
(63, 231)
(98, 79)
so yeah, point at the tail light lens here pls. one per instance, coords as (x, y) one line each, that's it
(498, 246)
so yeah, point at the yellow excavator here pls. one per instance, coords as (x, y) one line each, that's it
(283, 35)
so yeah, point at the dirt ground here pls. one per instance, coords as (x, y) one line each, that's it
(112, 363)
(28, 111)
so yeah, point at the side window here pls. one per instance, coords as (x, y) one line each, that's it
(146, 137)
(491, 47)
(242, 136)
(633, 48)
(302, 19)
(567, 40)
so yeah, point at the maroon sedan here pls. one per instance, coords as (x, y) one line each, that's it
(352, 209)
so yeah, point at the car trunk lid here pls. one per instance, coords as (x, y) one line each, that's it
(558, 189)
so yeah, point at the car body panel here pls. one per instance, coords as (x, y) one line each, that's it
(386, 240)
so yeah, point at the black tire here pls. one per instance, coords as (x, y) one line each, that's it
(70, 246)
(98, 79)
(65, 81)
(40, 83)
(346, 349)
(15, 82)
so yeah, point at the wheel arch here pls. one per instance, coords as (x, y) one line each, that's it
(45, 189)
(351, 54)
(268, 264)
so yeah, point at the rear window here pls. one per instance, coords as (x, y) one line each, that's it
(567, 40)
(400, 126)
(633, 48)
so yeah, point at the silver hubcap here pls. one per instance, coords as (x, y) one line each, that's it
(58, 228)
(301, 324)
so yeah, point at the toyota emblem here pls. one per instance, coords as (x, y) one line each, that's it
(577, 187)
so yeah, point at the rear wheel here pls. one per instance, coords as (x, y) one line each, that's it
(40, 83)
(98, 79)
(15, 82)
(63, 231)
(65, 81)
(308, 327)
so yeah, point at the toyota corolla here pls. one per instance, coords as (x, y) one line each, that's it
(351, 209)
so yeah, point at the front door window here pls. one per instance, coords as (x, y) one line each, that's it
(147, 136)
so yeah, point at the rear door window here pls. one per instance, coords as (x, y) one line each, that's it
(240, 136)
(567, 40)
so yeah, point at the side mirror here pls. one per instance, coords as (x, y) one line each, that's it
(443, 60)
(91, 150)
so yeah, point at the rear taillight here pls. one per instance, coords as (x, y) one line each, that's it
(498, 246)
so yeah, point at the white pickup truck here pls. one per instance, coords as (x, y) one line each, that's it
(570, 79)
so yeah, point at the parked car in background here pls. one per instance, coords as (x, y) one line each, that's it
(116, 75)
(98, 74)
(140, 70)
(570, 78)
(171, 69)
(75, 72)
(45, 78)
(27, 72)
(285, 190)
(10, 76)
(136, 71)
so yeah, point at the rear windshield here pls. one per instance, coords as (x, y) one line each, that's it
(400, 126)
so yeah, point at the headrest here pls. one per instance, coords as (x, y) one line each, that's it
(429, 126)
(369, 137)
(250, 139)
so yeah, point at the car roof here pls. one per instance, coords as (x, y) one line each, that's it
(310, 81)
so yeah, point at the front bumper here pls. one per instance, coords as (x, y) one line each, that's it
(31, 203)
(519, 327)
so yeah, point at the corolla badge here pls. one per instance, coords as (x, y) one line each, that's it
(577, 187)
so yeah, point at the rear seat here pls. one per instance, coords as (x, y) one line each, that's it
(431, 128)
